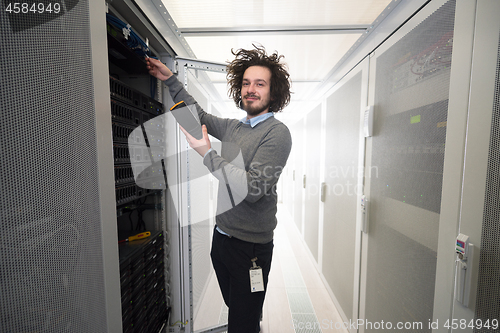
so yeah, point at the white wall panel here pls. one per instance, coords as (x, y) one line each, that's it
(298, 170)
(312, 174)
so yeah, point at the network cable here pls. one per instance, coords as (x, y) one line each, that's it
(133, 40)
(135, 43)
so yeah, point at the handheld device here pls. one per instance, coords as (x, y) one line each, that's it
(187, 117)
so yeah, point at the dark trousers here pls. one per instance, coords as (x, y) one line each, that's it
(231, 258)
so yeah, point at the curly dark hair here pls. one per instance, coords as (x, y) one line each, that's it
(280, 82)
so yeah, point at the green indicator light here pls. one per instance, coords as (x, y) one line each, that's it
(415, 119)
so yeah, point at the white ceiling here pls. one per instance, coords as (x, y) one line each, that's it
(313, 35)
(257, 13)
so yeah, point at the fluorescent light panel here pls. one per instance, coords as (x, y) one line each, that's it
(230, 13)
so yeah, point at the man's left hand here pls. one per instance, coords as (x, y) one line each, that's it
(201, 146)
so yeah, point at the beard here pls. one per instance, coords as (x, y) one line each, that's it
(254, 108)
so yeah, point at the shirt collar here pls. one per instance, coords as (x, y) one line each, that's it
(255, 120)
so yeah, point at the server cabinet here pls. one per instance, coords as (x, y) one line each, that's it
(343, 187)
(59, 255)
(409, 89)
(478, 310)
(68, 163)
(140, 144)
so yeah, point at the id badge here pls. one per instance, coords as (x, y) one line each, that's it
(256, 280)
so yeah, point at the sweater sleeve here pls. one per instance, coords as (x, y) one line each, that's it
(215, 126)
(264, 170)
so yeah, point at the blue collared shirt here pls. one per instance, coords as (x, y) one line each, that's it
(222, 232)
(255, 120)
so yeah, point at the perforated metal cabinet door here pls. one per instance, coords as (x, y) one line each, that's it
(51, 251)
(341, 177)
(487, 307)
(411, 107)
(479, 213)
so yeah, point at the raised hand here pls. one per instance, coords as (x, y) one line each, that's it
(158, 69)
(201, 146)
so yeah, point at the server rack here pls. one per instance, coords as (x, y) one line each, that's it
(142, 283)
(143, 269)
(59, 261)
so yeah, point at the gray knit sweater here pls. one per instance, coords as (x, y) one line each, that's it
(252, 180)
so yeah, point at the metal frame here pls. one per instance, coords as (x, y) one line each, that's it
(454, 159)
(366, 191)
(160, 18)
(182, 67)
(282, 30)
(129, 12)
(482, 90)
(172, 223)
(107, 200)
(361, 180)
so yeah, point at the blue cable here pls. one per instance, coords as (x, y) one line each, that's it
(136, 44)
(133, 41)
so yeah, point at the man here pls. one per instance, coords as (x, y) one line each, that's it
(243, 239)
